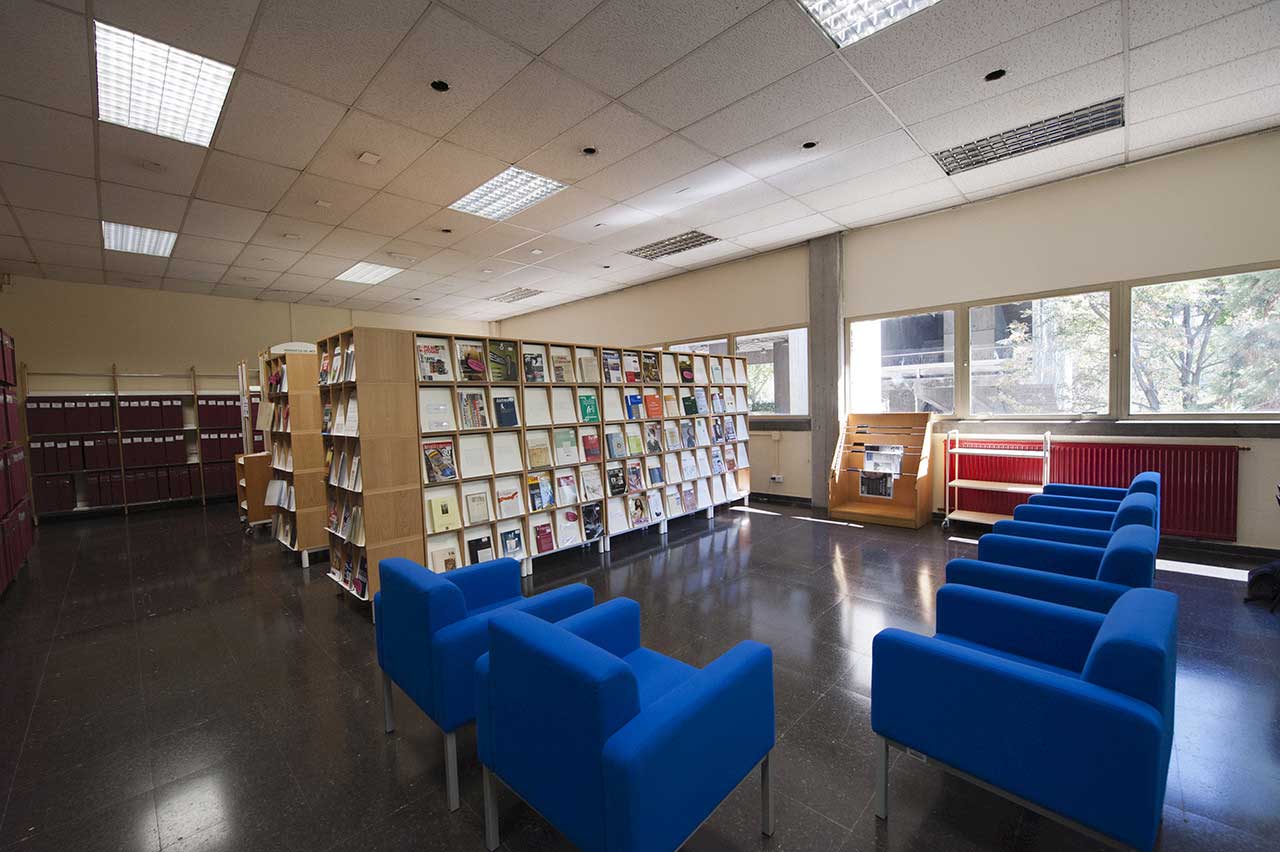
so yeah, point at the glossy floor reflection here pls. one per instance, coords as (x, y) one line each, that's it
(168, 683)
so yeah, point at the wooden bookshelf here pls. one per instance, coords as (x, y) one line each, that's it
(374, 490)
(908, 502)
(253, 472)
(296, 493)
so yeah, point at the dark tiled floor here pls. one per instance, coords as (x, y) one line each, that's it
(168, 683)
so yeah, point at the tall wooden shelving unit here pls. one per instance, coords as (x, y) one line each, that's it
(296, 495)
(381, 499)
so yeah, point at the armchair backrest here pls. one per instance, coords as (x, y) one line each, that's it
(1130, 557)
(1137, 509)
(411, 606)
(1147, 482)
(555, 700)
(1135, 651)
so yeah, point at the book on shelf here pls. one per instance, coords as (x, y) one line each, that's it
(637, 510)
(635, 440)
(539, 449)
(435, 410)
(502, 361)
(562, 409)
(717, 489)
(671, 435)
(590, 446)
(477, 507)
(473, 409)
(612, 367)
(588, 370)
(615, 444)
(534, 367)
(592, 522)
(652, 404)
(510, 501)
(699, 369)
(684, 364)
(635, 406)
(631, 368)
(324, 368)
(617, 481)
(335, 367)
(671, 467)
(471, 361)
(704, 466)
(567, 530)
(592, 488)
(506, 452)
(616, 509)
(541, 494)
(536, 410)
(700, 399)
(443, 558)
(717, 430)
(716, 375)
(730, 458)
(652, 438)
(688, 465)
(688, 497)
(543, 538)
(671, 496)
(326, 418)
(349, 364)
(635, 475)
(566, 487)
(742, 456)
(653, 465)
(613, 405)
(655, 505)
(731, 491)
(700, 432)
(650, 371)
(670, 403)
(730, 431)
(717, 461)
(688, 435)
(438, 458)
(689, 403)
(479, 549)
(562, 368)
(566, 446)
(505, 412)
(511, 541)
(717, 402)
(444, 513)
(588, 407)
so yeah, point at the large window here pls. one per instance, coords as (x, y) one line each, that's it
(777, 371)
(903, 364)
(1041, 356)
(1211, 345)
(704, 347)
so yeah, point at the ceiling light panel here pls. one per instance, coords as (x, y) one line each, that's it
(131, 238)
(673, 245)
(369, 273)
(1076, 124)
(150, 86)
(519, 294)
(847, 21)
(507, 194)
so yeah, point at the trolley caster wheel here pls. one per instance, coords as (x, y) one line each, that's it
(946, 525)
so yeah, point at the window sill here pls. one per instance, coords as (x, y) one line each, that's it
(1141, 427)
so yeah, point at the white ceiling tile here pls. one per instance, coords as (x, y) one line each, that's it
(910, 199)
(298, 283)
(842, 129)
(15, 248)
(697, 186)
(445, 173)
(529, 276)
(46, 56)
(487, 269)
(136, 280)
(1223, 40)
(195, 270)
(341, 289)
(135, 264)
(495, 239)
(74, 273)
(8, 225)
(713, 253)
(144, 159)
(291, 234)
(1037, 180)
(640, 235)
(236, 292)
(539, 249)
(948, 32)
(751, 196)
(264, 120)
(622, 43)
(445, 47)
(1155, 19)
(755, 220)
(271, 294)
(52, 191)
(532, 24)
(1078, 88)
(619, 217)
(789, 232)
(1045, 161)
(130, 205)
(586, 261)
(894, 178)
(778, 39)
(40, 225)
(565, 206)
(354, 245)
(615, 132)
(313, 45)
(359, 133)
(182, 285)
(389, 215)
(362, 304)
(887, 150)
(48, 139)
(446, 228)
(213, 28)
(641, 270)
(19, 267)
(1079, 40)
(267, 258)
(240, 276)
(243, 183)
(222, 221)
(206, 249)
(320, 266)
(408, 280)
(444, 287)
(445, 262)
(807, 94)
(318, 199)
(660, 162)
(537, 105)
(1260, 71)
(402, 254)
(76, 6)
(1218, 120)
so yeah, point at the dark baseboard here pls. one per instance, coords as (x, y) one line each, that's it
(781, 499)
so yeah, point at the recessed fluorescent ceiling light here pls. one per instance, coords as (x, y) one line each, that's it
(846, 21)
(507, 194)
(131, 238)
(674, 245)
(150, 86)
(369, 273)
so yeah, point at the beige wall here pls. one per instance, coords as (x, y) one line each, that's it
(785, 453)
(65, 327)
(1204, 209)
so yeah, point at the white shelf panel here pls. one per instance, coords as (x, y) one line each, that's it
(989, 451)
(989, 485)
(977, 517)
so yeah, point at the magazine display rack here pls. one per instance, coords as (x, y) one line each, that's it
(880, 473)
(291, 419)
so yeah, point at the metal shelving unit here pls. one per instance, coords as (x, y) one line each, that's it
(955, 482)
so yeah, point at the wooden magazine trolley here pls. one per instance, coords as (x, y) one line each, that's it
(863, 487)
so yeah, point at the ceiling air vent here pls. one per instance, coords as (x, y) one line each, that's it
(1032, 137)
(519, 294)
(674, 245)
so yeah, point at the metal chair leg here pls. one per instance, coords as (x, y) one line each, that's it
(882, 779)
(388, 710)
(766, 799)
(451, 769)
(490, 811)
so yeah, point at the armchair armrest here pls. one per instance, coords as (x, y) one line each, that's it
(487, 583)
(1056, 556)
(667, 769)
(1078, 592)
(1056, 635)
(613, 626)
(1087, 518)
(1053, 532)
(1074, 502)
(1096, 492)
(557, 604)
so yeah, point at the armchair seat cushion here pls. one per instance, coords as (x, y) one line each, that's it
(495, 606)
(656, 674)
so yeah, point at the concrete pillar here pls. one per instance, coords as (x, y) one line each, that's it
(826, 357)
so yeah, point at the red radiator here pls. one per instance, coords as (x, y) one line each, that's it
(1199, 482)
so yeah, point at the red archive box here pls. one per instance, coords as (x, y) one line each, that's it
(179, 482)
(6, 499)
(17, 474)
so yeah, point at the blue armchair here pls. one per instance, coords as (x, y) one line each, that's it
(1089, 527)
(1094, 496)
(1091, 578)
(430, 628)
(1065, 711)
(617, 746)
